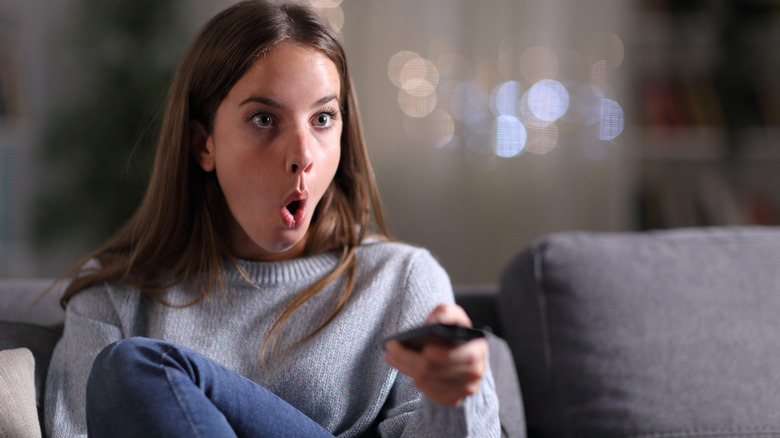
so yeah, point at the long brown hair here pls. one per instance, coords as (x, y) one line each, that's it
(179, 231)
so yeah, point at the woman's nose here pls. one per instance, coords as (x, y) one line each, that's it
(300, 157)
(300, 168)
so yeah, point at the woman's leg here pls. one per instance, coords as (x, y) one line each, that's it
(145, 387)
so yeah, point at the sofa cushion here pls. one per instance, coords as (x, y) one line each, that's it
(18, 415)
(40, 341)
(667, 333)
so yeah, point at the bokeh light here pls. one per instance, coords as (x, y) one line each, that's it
(618, 51)
(416, 106)
(519, 103)
(510, 136)
(505, 98)
(416, 79)
(418, 87)
(611, 120)
(444, 128)
(527, 116)
(548, 100)
(396, 63)
(419, 77)
(598, 74)
(435, 130)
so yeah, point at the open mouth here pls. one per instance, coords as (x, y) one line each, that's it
(293, 207)
(294, 212)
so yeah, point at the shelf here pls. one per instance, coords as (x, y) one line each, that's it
(707, 112)
(709, 144)
(683, 144)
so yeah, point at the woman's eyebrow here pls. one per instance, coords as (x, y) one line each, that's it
(324, 100)
(276, 104)
(264, 100)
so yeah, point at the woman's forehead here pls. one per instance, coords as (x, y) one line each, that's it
(290, 72)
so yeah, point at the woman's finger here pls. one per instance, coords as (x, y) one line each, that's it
(403, 359)
(449, 314)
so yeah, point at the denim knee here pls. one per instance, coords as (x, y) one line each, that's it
(120, 361)
(123, 354)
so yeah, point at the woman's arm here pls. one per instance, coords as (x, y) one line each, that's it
(458, 393)
(91, 323)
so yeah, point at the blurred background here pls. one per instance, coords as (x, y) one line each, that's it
(489, 123)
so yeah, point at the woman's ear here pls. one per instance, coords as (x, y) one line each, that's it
(201, 145)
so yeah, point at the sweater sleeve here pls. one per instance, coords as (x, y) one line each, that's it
(91, 323)
(411, 414)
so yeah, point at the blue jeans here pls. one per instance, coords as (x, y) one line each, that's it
(143, 387)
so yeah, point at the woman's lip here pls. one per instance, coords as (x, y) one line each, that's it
(290, 220)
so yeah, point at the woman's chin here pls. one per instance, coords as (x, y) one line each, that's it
(279, 250)
(287, 252)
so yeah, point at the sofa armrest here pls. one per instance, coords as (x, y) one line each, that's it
(479, 301)
(510, 400)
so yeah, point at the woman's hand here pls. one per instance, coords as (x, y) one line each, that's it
(446, 375)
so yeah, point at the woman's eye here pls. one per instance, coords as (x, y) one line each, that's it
(262, 120)
(322, 119)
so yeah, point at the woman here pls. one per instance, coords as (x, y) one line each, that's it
(246, 296)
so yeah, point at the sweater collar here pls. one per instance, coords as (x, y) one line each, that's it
(298, 269)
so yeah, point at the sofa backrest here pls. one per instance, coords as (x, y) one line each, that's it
(28, 300)
(668, 333)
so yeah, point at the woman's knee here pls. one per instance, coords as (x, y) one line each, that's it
(121, 362)
(126, 353)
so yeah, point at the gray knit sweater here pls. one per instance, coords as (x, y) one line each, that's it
(338, 378)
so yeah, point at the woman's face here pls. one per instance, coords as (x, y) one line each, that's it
(275, 146)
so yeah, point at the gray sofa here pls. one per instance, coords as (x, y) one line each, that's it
(654, 334)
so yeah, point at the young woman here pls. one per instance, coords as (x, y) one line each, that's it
(252, 292)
